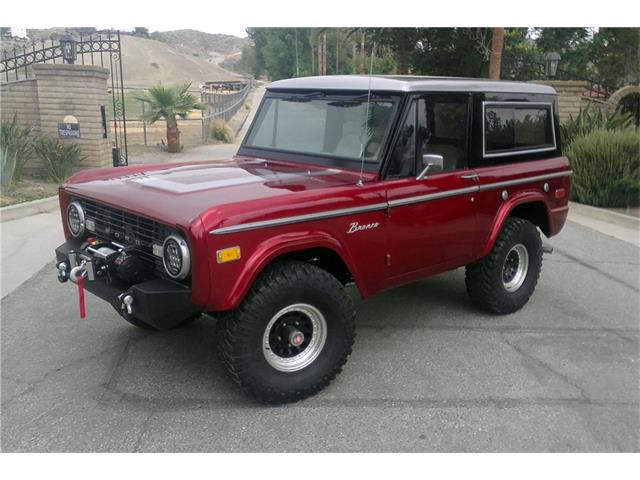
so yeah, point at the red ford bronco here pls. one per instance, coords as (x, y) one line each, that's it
(376, 181)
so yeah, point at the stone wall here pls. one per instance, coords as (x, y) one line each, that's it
(570, 99)
(20, 98)
(77, 90)
(58, 91)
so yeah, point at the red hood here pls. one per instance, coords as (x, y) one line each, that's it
(178, 193)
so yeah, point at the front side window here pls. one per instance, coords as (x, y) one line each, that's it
(511, 129)
(403, 158)
(337, 126)
(434, 125)
(446, 130)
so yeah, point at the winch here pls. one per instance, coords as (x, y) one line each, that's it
(110, 261)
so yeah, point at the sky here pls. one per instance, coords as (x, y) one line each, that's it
(233, 17)
(219, 26)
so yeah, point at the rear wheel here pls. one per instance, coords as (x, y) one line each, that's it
(291, 336)
(505, 279)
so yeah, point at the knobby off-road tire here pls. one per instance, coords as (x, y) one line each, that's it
(497, 283)
(288, 295)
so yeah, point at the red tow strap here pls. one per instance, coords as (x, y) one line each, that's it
(80, 284)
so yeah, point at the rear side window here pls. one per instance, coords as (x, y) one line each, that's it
(512, 128)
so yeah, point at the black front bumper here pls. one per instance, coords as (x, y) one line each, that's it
(158, 302)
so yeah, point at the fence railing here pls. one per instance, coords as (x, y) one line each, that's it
(16, 62)
(222, 99)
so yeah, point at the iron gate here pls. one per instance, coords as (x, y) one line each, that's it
(102, 48)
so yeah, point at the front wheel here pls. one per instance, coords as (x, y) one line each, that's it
(291, 336)
(504, 280)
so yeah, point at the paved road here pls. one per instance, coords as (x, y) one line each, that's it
(428, 372)
(27, 244)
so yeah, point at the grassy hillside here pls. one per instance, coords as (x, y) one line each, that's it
(203, 44)
(147, 62)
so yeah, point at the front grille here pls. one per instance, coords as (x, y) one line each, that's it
(128, 229)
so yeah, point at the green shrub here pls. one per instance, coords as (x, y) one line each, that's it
(18, 139)
(221, 131)
(8, 161)
(593, 118)
(606, 167)
(59, 159)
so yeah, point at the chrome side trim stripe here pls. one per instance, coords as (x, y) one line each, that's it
(432, 196)
(383, 206)
(520, 181)
(300, 218)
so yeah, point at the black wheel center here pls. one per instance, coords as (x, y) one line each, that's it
(510, 266)
(290, 334)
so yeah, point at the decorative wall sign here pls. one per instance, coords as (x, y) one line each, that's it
(69, 130)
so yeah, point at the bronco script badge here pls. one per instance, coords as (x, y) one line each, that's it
(356, 227)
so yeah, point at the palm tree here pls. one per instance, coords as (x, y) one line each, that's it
(169, 103)
(497, 45)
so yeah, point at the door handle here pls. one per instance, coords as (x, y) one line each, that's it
(470, 176)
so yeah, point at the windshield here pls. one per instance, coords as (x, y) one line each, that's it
(336, 126)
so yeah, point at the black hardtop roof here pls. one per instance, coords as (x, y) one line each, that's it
(408, 83)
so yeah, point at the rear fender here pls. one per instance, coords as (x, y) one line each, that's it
(505, 209)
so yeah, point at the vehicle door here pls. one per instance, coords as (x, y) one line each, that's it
(430, 190)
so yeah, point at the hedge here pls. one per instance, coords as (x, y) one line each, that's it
(605, 167)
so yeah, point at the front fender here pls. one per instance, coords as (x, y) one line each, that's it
(243, 274)
(505, 209)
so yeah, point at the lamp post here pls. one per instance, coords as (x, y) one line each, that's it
(68, 46)
(552, 60)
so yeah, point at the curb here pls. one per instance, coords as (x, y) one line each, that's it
(603, 215)
(26, 209)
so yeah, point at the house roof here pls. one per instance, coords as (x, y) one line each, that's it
(408, 84)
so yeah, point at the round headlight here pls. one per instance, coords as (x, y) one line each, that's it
(75, 219)
(175, 256)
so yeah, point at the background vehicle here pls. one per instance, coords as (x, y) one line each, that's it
(379, 181)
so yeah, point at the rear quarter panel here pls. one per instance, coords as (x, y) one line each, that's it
(492, 210)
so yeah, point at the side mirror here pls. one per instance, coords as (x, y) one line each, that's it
(430, 162)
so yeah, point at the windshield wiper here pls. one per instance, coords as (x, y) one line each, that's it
(354, 101)
(303, 98)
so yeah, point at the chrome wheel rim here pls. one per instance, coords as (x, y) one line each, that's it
(294, 337)
(515, 267)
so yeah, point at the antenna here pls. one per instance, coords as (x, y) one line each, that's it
(366, 124)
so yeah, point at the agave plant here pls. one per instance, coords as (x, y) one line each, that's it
(59, 159)
(593, 118)
(18, 140)
(169, 103)
(8, 164)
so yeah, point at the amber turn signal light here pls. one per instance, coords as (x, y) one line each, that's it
(228, 254)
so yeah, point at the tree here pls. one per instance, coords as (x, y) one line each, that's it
(274, 50)
(401, 41)
(169, 103)
(575, 46)
(141, 32)
(616, 56)
(451, 52)
(497, 44)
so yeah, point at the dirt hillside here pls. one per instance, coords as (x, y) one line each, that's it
(147, 62)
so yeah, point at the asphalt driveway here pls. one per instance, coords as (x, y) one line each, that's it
(428, 372)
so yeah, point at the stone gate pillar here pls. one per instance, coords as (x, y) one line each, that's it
(75, 91)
